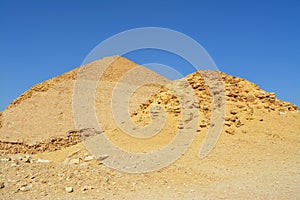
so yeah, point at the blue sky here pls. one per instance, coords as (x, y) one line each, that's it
(256, 40)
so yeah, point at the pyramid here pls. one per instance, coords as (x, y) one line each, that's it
(44, 152)
(42, 118)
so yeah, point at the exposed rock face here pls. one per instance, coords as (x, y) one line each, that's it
(243, 98)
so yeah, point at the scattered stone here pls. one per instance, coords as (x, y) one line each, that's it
(25, 159)
(272, 94)
(74, 161)
(69, 189)
(282, 113)
(84, 164)
(66, 161)
(42, 161)
(205, 108)
(103, 157)
(250, 98)
(14, 165)
(234, 119)
(43, 181)
(89, 158)
(230, 131)
(259, 107)
(43, 194)
(180, 126)
(228, 123)
(85, 188)
(249, 118)
(75, 152)
(2, 185)
(234, 112)
(25, 188)
(240, 106)
(177, 110)
(196, 105)
(188, 118)
(5, 159)
(260, 94)
(238, 123)
(202, 125)
(272, 100)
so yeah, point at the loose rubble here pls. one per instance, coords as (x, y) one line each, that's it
(69, 189)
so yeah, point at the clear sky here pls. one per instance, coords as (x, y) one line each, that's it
(256, 40)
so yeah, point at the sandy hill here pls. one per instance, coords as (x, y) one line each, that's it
(256, 157)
